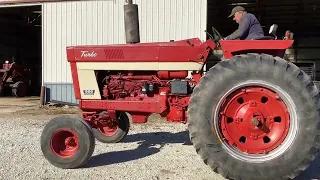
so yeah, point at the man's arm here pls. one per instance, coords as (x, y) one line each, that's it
(243, 27)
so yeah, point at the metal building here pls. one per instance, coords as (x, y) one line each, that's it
(90, 22)
(102, 22)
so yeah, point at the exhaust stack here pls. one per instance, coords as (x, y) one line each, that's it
(131, 22)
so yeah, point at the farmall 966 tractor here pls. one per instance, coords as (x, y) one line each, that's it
(253, 115)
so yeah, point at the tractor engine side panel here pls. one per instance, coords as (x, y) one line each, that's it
(138, 87)
(143, 92)
(130, 86)
(84, 73)
(88, 86)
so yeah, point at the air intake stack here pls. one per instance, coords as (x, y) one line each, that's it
(131, 22)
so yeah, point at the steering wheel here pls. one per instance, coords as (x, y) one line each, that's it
(217, 36)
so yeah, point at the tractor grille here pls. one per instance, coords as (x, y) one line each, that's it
(114, 54)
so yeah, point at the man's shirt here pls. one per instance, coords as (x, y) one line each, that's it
(249, 28)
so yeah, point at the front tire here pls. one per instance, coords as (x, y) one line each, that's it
(67, 142)
(255, 117)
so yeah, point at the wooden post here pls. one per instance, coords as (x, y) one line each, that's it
(42, 95)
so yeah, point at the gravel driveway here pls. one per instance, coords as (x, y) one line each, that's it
(153, 151)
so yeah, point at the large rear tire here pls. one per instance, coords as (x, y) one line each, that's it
(67, 142)
(255, 117)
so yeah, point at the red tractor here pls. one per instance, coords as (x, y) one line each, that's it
(253, 115)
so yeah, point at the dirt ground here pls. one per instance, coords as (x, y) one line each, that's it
(154, 151)
(30, 106)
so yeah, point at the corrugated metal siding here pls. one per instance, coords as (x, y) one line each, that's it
(102, 22)
(10, 2)
(60, 92)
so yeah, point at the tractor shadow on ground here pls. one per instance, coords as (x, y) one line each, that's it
(152, 143)
(312, 172)
(148, 144)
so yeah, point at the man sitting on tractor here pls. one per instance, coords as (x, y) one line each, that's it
(249, 26)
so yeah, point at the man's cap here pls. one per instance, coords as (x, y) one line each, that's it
(236, 9)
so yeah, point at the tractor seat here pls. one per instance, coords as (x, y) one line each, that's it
(272, 31)
(264, 38)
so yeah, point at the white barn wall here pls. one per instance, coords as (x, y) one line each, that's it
(102, 22)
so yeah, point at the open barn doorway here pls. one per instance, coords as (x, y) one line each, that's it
(20, 51)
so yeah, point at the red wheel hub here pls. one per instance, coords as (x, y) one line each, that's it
(109, 128)
(254, 120)
(64, 143)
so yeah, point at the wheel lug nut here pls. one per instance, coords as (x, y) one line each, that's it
(237, 119)
(253, 104)
(271, 119)
(254, 136)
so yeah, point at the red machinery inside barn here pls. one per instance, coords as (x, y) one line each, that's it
(14, 78)
(253, 115)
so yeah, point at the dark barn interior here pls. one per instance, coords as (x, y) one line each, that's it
(299, 16)
(20, 42)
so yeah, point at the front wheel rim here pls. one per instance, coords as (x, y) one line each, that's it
(64, 143)
(251, 130)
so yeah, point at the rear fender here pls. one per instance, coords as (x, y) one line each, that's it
(231, 48)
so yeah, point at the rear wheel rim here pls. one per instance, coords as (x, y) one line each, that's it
(64, 143)
(260, 138)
